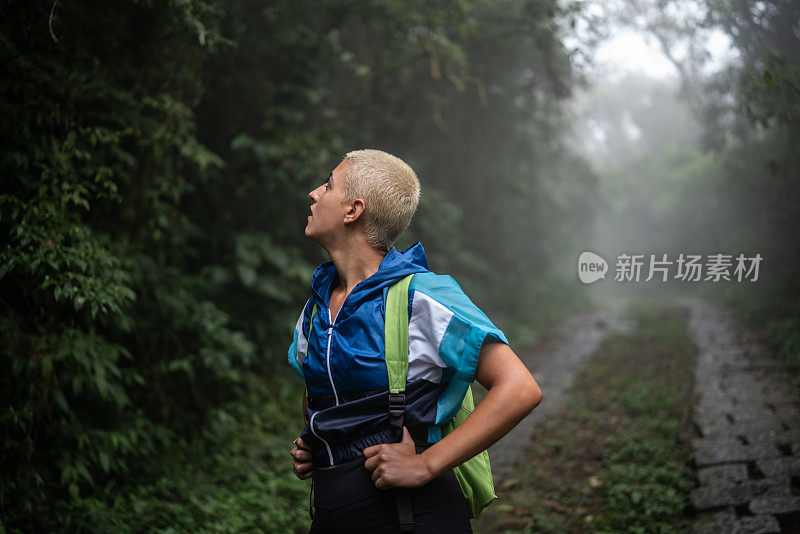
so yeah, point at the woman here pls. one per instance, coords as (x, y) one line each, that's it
(347, 446)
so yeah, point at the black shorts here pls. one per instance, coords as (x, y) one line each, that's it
(347, 501)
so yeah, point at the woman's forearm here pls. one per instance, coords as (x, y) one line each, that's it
(503, 407)
(512, 394)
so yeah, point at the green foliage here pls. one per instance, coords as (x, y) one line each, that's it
(757, 133)
(644, 487)
(646, 480)
(108, 356)
(640, 498)
(236, 479)
(157, 159)
(615, 458)
(778, 319)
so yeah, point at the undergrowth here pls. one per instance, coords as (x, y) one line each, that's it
(235, 478)
(615, 459)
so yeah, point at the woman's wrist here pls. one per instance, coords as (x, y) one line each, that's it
(430, 465)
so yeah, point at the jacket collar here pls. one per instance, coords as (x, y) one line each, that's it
(395, 265)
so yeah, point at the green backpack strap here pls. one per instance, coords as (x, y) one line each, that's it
(475, 475)
(396, 354)
(396, 351)
(311, 322)
(396, 334)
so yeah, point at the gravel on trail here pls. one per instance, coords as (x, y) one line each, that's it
(747, 417)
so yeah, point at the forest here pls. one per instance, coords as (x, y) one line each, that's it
(157, 158)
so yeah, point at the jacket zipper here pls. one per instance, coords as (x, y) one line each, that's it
(328, 359)
(333, 387)
(311, 424)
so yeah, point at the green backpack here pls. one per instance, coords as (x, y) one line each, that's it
(475, 475)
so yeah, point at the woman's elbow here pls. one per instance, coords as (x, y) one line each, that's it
(537, 396)
(532, 393)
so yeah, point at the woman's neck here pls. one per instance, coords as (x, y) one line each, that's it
(355, 265)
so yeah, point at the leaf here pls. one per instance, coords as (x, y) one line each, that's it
(768, 79)
(247, 275)
(105, 461)
(84, 472)
(273, 288)
(61, 401)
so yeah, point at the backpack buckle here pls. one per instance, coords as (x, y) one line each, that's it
(397, 409)
(397, 402)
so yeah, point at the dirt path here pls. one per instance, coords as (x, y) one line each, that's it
(554, 364)
(747, 416)
(748, 455)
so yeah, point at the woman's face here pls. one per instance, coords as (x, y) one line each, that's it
(327, 208)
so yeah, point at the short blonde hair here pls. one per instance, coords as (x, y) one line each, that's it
(390, 190)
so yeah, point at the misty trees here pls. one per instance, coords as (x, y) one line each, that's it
(749, 112)
(157, 158)
(751, 117)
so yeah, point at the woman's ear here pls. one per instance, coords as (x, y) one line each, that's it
(355, 210)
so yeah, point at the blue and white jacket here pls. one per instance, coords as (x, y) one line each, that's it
(342, 358)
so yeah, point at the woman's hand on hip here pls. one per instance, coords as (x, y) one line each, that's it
(302, 466)
(397, 464)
